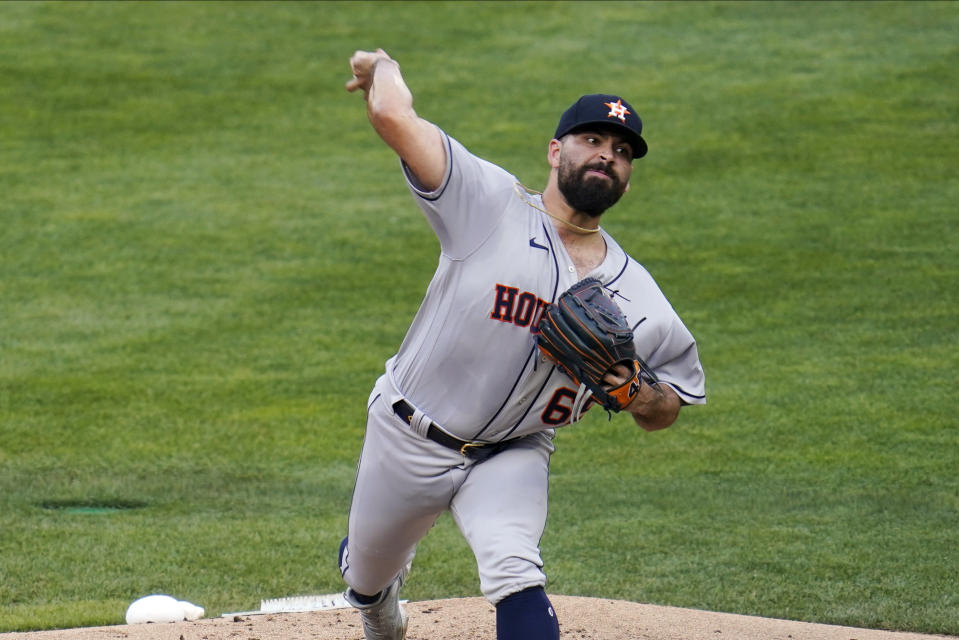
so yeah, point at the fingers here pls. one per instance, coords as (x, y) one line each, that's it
(361, 65)
(353, 84)
(617, 375)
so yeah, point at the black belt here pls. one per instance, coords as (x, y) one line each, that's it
(478, 451)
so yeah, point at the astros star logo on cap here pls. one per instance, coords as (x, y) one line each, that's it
(617, 110)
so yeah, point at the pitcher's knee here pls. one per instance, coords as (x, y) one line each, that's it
(510, 575)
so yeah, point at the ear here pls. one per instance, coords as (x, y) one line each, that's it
(553, 151)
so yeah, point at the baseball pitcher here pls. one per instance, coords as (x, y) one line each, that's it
(534, 316)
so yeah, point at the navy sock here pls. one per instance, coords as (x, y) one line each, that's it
(527, 615)
(360, 597)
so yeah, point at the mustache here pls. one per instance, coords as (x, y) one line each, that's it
(603, 167)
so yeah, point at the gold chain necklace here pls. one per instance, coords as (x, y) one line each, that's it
(523, 192)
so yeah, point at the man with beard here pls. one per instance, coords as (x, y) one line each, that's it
(463, 418)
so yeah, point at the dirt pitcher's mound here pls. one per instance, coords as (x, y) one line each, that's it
(474, 619)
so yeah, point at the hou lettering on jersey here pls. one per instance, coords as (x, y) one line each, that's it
(522, 309)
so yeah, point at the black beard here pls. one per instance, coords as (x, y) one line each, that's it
(591, 195)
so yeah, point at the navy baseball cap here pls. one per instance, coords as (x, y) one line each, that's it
(608, 110)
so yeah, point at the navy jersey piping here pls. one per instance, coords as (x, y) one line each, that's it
(446, 179)
(609, 285)
(530, 407)
(532, 355)
(684, 392)
(508, 396)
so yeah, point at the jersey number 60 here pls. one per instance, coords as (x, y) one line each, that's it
(560, 407)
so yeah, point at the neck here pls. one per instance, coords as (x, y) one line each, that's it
(575, 221)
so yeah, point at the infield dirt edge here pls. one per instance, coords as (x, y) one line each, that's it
(581, 618)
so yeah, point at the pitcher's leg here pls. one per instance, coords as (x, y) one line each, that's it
(400, 491)
(501, 511)
(381, 615)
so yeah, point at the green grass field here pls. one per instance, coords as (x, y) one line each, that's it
(206, 256)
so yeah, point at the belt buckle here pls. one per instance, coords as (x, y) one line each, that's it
(464, 450)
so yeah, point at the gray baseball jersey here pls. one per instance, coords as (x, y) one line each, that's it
(469, 360)
(469, 364)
